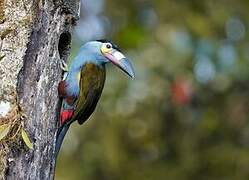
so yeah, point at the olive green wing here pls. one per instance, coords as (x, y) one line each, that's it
(91, 83)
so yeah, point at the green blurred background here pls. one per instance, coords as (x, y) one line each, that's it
(185, 116)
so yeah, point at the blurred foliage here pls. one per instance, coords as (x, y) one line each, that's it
(185, 116)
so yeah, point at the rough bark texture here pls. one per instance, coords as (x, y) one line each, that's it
(33, 41)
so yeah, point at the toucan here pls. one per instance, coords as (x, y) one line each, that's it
(83, 83)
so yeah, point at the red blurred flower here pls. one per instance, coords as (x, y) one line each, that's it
(181, 91)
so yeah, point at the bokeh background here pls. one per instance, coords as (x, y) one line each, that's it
(185, 116)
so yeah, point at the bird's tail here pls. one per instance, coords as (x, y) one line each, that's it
(60, 136)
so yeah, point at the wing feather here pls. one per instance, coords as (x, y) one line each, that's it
(91, 84)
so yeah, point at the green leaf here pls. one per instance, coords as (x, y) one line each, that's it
(4, 129)
(26, 139)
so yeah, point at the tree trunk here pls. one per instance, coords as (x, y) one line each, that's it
(35, 36)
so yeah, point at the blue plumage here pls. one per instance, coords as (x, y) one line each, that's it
(88, 53)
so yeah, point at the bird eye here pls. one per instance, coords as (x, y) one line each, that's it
(108, 46)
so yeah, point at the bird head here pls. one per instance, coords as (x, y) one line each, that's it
(105, 51)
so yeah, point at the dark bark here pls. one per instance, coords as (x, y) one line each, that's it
(37, 88)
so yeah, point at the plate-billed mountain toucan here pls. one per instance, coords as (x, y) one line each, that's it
(83, 82)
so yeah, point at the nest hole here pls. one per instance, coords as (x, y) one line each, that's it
(64, 45)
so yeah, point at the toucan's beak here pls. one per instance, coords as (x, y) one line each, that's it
(118, 59)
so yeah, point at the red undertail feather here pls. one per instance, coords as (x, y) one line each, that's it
(65, 116)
